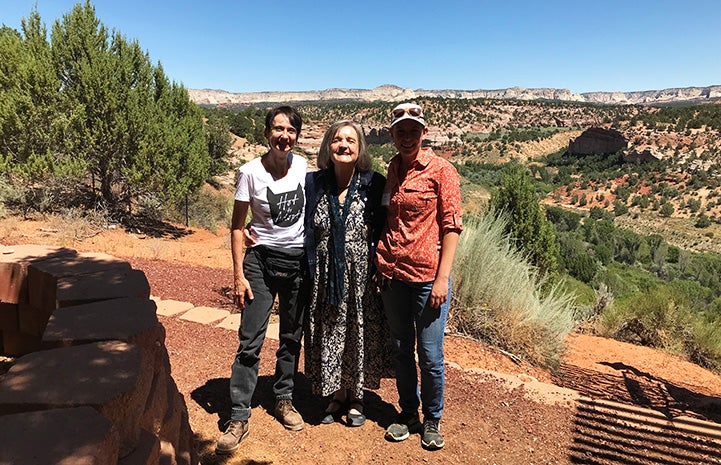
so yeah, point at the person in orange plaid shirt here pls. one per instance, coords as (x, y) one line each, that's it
(414, 258)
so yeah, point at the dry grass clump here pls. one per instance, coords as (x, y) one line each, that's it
(63, 228)
(499, 296)
(76, 224)
(8, 228)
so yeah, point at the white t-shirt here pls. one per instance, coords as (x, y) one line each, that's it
(277, 206)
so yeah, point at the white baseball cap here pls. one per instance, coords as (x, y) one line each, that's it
(408, 111)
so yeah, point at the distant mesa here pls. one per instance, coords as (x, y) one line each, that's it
(391, 93)
(604, 141)
(597, 141)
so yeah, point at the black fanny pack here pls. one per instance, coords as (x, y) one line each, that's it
(281, 262)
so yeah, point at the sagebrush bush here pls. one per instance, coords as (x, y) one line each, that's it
(50, 194)
(662, 318)
(8, 195)
(500, 298)
(705, 347)
(208, 209)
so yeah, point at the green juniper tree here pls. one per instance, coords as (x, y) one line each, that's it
(217, 136)
(90, 103)
(528, 227)
(140, 131)
(33, 119)
(29, 89)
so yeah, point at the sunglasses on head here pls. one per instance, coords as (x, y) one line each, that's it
(415, 112)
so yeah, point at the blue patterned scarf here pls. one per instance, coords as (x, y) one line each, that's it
(336, 246)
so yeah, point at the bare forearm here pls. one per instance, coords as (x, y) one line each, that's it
(238, 250)
(439, 291)
(448, 253)
(242, 286)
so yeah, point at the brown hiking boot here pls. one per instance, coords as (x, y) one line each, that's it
(288, 415)
(235, 432)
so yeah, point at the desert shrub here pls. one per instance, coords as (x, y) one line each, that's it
(576, 258)
(666, 210)
(385, 152)
(10, 194)
(619, 208)
(564, 220)
(527, 225)
(705, 347)
(694, 205)
(151, 206)
(714, 309)
(380, 166)
(706, 269)
(624, 281)
(207, 209)
(650, 319)
(693, 292)
(663, 318)
(499, 296)
(583, 293)
(588, 315)
(74, 224)
(703, 221)
(47, 195)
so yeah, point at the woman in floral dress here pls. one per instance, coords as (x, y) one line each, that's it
(347, 344)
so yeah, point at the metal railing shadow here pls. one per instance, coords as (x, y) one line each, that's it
(637, 418)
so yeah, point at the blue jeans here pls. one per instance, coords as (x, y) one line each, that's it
(411, 319)
(270, 272)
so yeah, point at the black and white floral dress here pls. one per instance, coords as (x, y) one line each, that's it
(348, 345)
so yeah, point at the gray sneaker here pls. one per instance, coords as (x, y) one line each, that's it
(432, 439)
(288, 415)
(235, 432)
(405, 424)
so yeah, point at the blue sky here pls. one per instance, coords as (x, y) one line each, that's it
(249, 46)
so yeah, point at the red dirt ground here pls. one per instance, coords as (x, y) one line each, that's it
(489, 417)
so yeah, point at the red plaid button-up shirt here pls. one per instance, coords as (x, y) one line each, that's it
(420, 210)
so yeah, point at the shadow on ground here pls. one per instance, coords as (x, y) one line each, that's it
(154, 228)
(214, 398)
(636, 387)
(637, 418)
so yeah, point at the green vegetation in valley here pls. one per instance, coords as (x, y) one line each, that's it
(682, 118)
(609, 271)
(635, 270)
(248, 123)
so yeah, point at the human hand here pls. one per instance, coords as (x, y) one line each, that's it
(379, 282)
(249, 236)
(439, 292)
(242, 289)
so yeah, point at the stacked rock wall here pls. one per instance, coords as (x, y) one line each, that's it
(91, 380)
